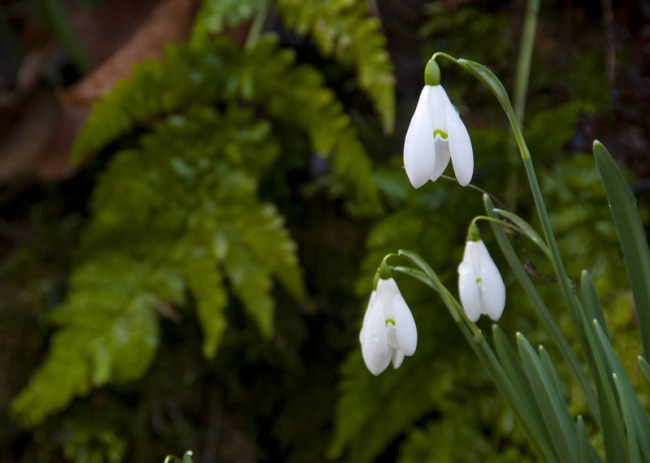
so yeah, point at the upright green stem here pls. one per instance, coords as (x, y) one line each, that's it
(55, 16)
(256, 28)
(496, 87)
(519, 100)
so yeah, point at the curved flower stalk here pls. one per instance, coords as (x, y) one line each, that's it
(388, 332)
(435, 135)
(480, 286)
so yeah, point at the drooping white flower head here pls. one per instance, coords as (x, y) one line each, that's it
(388, 332)
(436, 134)
(480, 286)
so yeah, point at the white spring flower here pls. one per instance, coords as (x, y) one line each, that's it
(435, 135)
(480, 286)
(388, 332)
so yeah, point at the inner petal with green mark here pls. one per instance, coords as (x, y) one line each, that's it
(439, 134)
(390, 321)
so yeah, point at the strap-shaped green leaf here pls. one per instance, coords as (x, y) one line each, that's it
(638, 413)
(520, 384)
(554, 409)
(645, 367)
(591, 301)
(541, 309)
(633, 238)
(630, 423)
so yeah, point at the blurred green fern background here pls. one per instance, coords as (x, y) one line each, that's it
(199, 283)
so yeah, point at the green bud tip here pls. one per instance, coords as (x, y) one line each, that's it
(384, 271)
(432, 73)
(473, 234)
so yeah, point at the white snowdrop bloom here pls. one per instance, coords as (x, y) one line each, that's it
(388, 332)
(481, 288)
(435, 135)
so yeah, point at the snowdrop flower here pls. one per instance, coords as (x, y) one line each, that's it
(480, 285)
(388, 332)
(435, 135)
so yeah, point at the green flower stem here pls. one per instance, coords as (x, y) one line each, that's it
(525, 231)
(486, 76)
(522, 75)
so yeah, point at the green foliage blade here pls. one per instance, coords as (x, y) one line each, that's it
(541, 309)
(638, 413)
(553, 408)
(591, 301)
(630, 423)
(520, 384)
(645, 367)
(611, 421)
(632, 236)
(586, 453)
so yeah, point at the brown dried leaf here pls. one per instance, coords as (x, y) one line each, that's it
(169, 22)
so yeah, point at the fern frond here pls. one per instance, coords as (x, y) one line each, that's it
(342, 29)
(205, 281)
(108, 330)
(262, 76)
(214, 16)
(179, 213)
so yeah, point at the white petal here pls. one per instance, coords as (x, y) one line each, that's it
(398, 358)
(460, 145)
(386, 291)
(442, 158)
(407, 333)
(492, 289)
(468, 291)
(419, 149)
(374, 344)
(437, 109)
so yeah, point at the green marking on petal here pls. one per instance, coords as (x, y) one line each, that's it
(478, 281)
(391, 321)
(440, 133)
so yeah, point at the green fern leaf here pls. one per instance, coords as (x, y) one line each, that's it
(264, 77)
(216, 15)
(205, 281)
(106, 331)
(342, 29)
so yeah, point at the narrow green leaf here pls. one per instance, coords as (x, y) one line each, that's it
(632, 440)
(612, 425)
(591, 301)
(645, 367)
(554, 411)
(632, 236)
(586, 453)
(547, 363)
(542, 311)
(637, 411)
(611, 421)
(520, 384)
